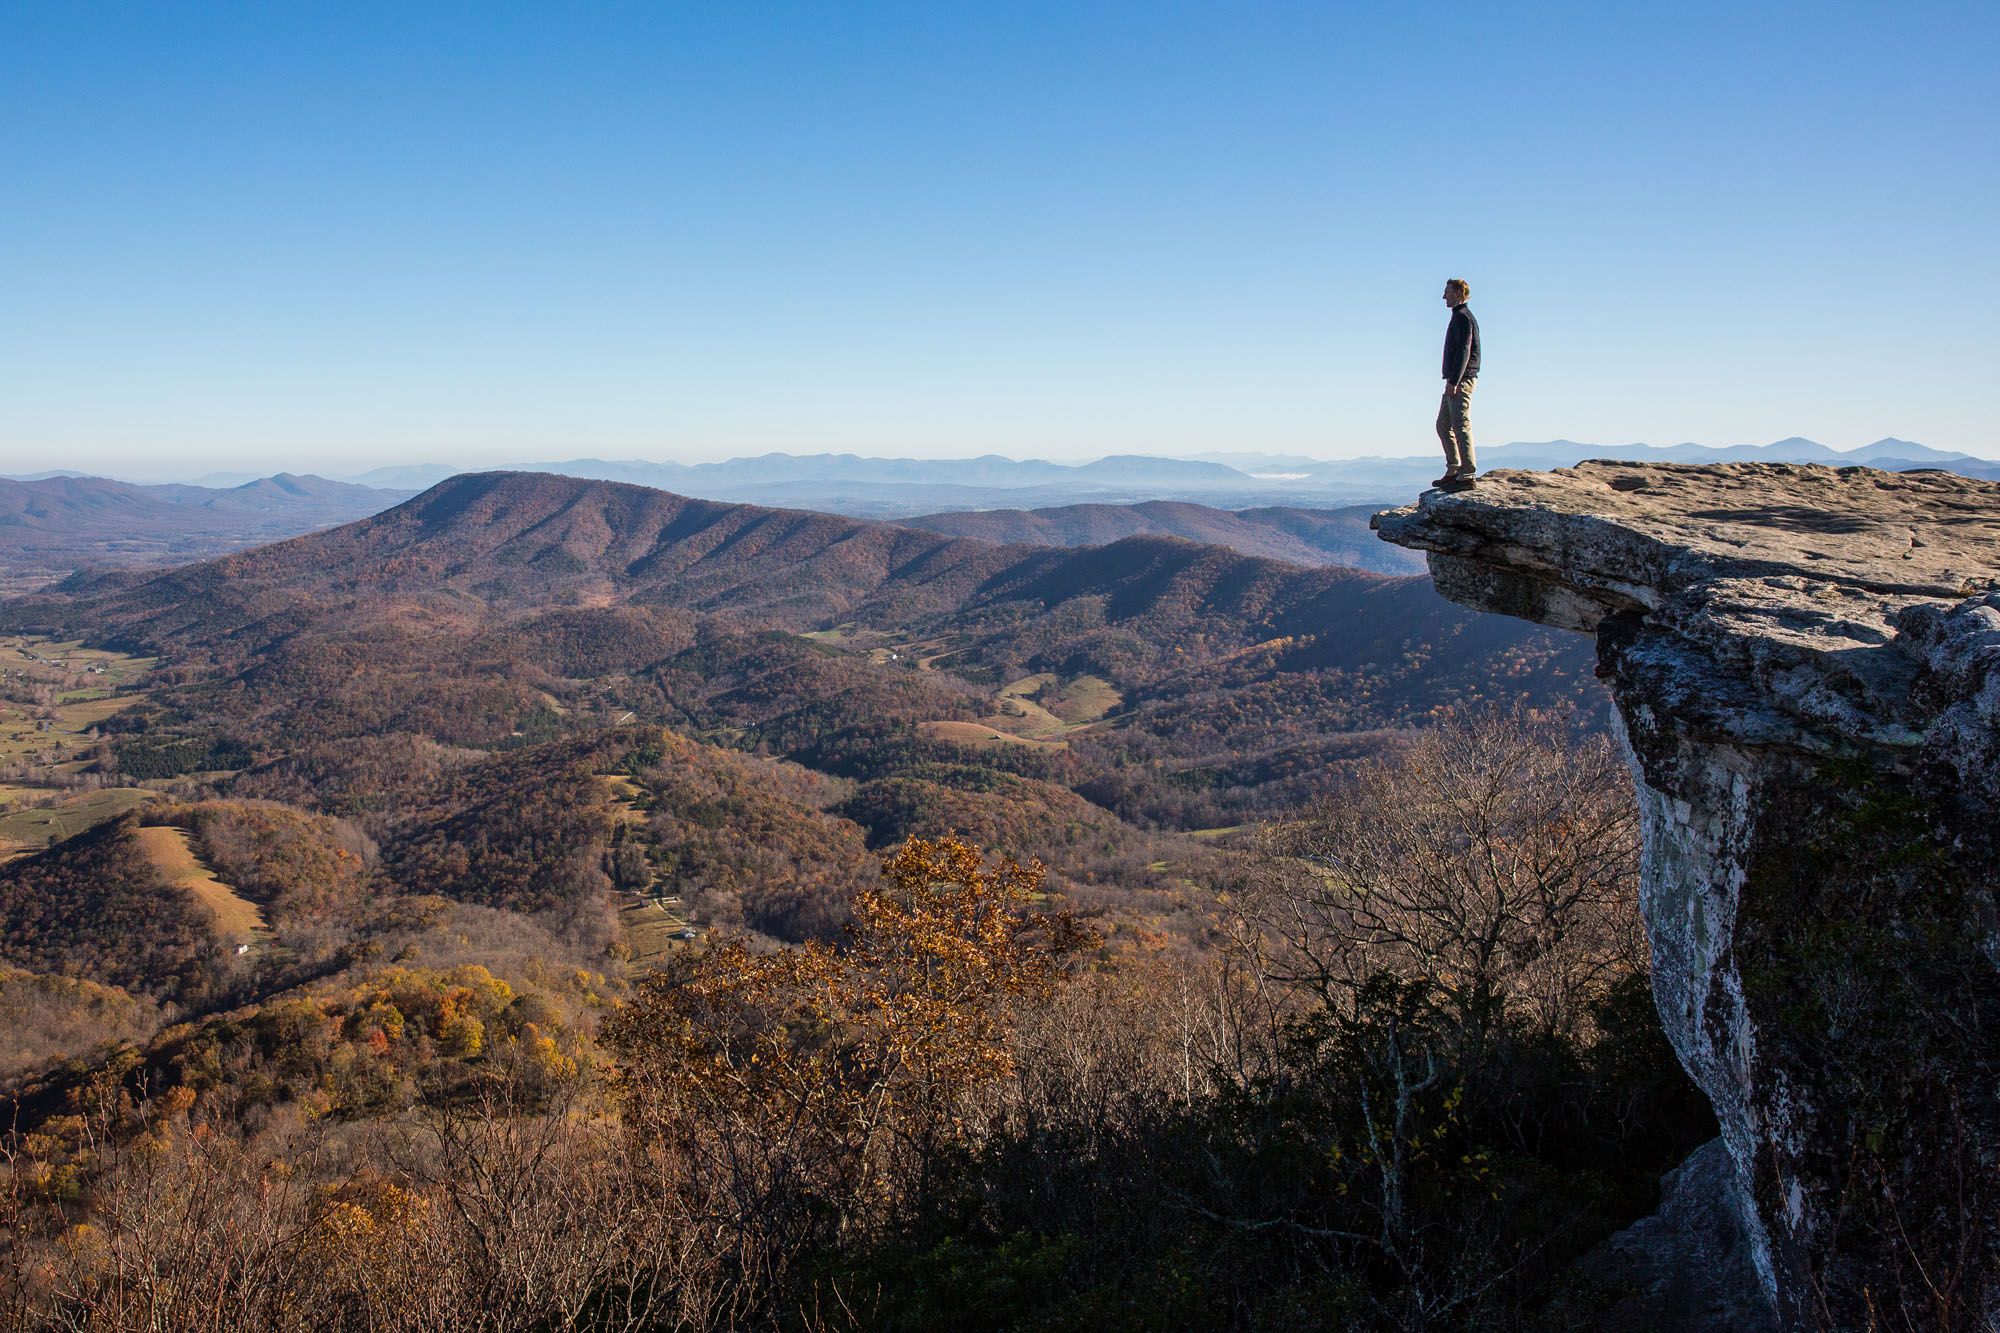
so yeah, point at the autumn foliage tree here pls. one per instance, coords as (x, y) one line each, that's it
(801, 1096)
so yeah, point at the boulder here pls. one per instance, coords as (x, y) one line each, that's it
(1688, 1267)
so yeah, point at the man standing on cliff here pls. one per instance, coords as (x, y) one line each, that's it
(1461, 372)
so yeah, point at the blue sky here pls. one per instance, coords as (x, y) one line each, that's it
(333, 236)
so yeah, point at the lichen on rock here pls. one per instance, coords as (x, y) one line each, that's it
(1806, 667)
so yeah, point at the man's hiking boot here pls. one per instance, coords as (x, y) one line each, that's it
(1459, 481)
(1446, 480)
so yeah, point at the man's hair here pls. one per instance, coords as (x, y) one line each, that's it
(1460, 286)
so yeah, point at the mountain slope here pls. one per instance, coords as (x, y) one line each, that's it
(487, 547)
(519, 539)
(97, 906)
(492, 545)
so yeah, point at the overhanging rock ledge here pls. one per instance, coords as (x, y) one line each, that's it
(1806, 667)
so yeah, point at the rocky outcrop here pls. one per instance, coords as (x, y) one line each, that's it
(1806, 667)
(1689, 1265)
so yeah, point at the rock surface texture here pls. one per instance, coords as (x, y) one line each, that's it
(1688, 1266)
(1806, 667)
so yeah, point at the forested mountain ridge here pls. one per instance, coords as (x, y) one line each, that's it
(522, 538)
(494, 542)
(500, 604)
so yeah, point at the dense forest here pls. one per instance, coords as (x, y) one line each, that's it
(562, 904)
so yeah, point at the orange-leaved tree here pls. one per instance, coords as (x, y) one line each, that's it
(792, 1096)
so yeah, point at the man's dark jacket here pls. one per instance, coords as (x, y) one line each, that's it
(1461, 347)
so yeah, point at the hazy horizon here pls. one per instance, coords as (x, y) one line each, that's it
(339, 470)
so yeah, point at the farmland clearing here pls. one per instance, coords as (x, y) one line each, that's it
(1045, 707)
(237, 919)
(53, 694)
(36, 827)
(1037, 711)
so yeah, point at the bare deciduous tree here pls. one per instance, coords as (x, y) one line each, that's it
(1496, 857)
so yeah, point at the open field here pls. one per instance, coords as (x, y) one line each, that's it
(1019, 702)
(979, 733)
(1085, 700)
(650, 931)
(19, 737)
(1037, 709)
(91, 684)
(34, 828)
(924, 653)
(84, 714)
(20, 582)
(236, 918)
(883, 648)
(49, 658)
(845, 636)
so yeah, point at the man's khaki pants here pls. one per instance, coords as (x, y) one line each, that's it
(1455, 428)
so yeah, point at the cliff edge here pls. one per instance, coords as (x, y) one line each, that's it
(1806, 667)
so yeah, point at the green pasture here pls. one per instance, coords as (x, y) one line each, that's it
(66, 819)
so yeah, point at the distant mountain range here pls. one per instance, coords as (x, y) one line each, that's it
(66, 500)
(887, 487)
(907, 487)
(1280, 506)
(1296, 536)
(57, 523)
(1889, 453)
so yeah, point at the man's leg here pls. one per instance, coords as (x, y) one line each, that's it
(1461, 426)
(1447, 435)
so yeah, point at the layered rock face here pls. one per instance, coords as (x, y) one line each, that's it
(1806, 667)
